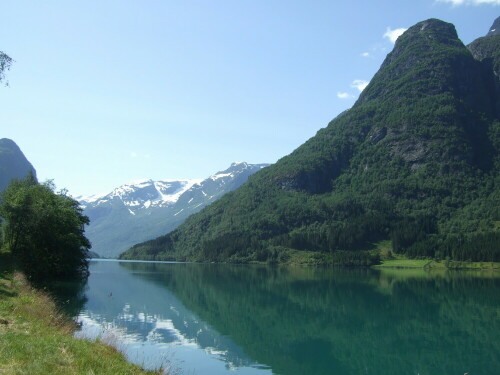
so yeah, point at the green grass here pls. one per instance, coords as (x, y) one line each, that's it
(36, 339)
(392, 260)
(433, 264)
(404, 263)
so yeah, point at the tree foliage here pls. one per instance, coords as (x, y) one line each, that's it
(44, 230)
(5, 63)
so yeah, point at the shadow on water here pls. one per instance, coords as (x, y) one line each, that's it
(68, 295)
(320, 321)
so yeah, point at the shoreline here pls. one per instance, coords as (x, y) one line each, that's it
(431, 264)
(316, 259)
(39, 339)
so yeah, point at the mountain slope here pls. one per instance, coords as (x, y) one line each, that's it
(495, 28)
(145, 209)
(13, 163)
(415, 160)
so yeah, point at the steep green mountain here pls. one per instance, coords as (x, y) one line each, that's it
(415, 160)
(13, 163)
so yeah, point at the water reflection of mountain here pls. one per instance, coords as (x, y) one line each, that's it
(317, 321)
(125, 299)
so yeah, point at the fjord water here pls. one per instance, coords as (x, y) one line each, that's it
(211, 319)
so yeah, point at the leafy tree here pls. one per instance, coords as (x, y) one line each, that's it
(5, 63)
(44, 230)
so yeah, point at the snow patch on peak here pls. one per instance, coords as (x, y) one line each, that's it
(172, 197)
(221, 175)
(140, 182)
(86, 199)
(236, 163)
(143, 193)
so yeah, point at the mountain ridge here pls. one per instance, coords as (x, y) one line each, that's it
(414, 161)
(13, 163)
(144, 209)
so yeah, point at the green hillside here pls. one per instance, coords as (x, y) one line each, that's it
(415, 160)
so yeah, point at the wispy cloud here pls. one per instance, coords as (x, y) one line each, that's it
(359, 84)
(344, 95)
(374, 51)
(392, 35)
(136, 155)
(470, 2)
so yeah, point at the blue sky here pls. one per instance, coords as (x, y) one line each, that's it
(104, 92)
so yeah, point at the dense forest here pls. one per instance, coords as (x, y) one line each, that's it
(414, 161)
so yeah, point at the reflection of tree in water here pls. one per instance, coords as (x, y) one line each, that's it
(69, 295)
(318, 321)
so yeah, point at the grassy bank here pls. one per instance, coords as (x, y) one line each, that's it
(402, 262)
(36, 339)
(388, 259)
(433, 264)
(392, 260)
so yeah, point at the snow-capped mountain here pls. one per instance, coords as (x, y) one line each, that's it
(145, 209)
(209, 190)
(142, 194)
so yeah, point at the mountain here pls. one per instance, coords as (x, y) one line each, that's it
(495, 28)
(142, 210)
(415, 162)
(13, 163)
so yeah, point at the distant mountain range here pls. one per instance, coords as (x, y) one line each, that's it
(142, 210)
(13, 163)
(414, 163)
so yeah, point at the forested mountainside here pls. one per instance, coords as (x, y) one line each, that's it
(146, 209)
(414, 161)
(13, 163)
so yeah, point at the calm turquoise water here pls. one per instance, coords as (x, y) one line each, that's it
(210, 319)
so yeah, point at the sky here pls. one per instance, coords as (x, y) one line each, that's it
(103, 92)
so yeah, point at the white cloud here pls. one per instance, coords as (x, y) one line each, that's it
(359, 84)
(470, 2)
(392, 35)
(365, 54)
(344, 95)
(136, 155)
